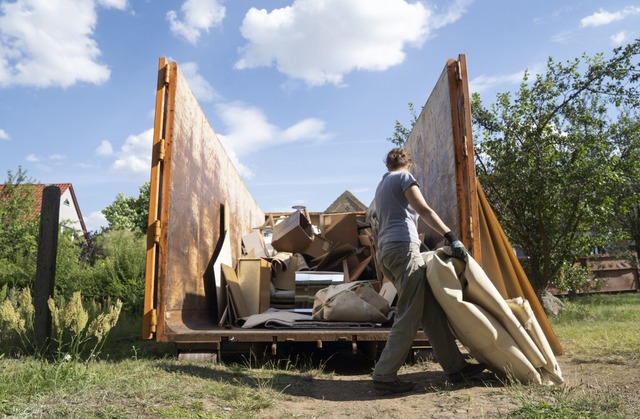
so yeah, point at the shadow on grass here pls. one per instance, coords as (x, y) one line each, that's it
(335, 386)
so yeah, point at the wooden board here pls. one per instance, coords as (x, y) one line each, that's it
(441, 145)
(224, 257)
(235, 291)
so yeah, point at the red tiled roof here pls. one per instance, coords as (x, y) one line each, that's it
(63, 188)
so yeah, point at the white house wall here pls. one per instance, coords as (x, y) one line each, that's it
(68, 213)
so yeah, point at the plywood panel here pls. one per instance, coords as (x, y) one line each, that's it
(442, 148)
(431, 145)
(200, 186)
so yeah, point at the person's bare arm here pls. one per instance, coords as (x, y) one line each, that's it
(418, 203)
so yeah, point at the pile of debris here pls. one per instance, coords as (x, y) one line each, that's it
(292, 256)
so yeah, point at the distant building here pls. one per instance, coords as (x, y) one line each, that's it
(346, 202)
(70, 214)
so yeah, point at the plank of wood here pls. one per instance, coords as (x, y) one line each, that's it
(235, 291)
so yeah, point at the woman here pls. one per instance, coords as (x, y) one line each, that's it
(398, 205)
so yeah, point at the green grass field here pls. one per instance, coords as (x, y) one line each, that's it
(132, 378)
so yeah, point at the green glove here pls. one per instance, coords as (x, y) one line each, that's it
(458, 250)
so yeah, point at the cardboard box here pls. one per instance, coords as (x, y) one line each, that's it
(254, 277)
(293, 234)
(318, 247)
(254, 246)
(340, 228)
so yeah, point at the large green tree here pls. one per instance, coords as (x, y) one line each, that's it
(546, 159)
(18, 230)
(626, 136)
(129, 213)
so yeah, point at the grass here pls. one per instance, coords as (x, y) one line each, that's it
(130, 388)
(597, 329)
(601, 327)
(134, 378)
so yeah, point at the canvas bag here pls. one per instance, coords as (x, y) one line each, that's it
(353, 302)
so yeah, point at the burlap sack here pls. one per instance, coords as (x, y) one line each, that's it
(354, 302)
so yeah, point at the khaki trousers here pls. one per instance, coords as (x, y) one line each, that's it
(404, 266)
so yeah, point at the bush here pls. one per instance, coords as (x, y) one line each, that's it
(574, 278)
(120, 269)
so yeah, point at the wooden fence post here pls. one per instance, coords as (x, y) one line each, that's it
(46, 263)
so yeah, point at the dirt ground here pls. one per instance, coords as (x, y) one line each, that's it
(348, 393)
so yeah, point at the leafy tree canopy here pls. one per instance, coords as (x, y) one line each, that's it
(401, 133)
(547, 159)
(18, 229)
(626, 137)
(128, 213)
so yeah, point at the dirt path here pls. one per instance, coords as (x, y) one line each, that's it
(351, 395)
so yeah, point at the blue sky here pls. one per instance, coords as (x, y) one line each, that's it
(302, 93)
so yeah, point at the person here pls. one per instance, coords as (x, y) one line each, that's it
(398, 203)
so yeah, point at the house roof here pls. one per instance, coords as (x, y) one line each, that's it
(39, 188)
(346, 202)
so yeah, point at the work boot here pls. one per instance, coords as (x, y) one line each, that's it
(395, 386)
(467, 372)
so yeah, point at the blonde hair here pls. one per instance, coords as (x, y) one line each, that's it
(397, 158)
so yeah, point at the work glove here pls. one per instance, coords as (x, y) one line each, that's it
(458, 250)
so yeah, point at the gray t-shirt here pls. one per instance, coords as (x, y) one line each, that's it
(397, 221)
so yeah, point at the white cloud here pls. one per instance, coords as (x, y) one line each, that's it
(618, 38)
(320, 42)
(113, 4)
(201, 88)
(104, 149)
(602, 17)
(95, 221)
(310, 128)
(248, 130)
(562, 37)
(57, 157)
(49, 43)
(243, 169)
(134, 157)
(197, 16)
(455, 11)
(4, 135)
(485, 83)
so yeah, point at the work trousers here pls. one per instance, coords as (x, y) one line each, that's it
(404, 266)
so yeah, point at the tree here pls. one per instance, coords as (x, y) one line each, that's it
(626, 136)
(401, 133)
(546, 160)
(128, 213)
(119, 272)
(18, 230)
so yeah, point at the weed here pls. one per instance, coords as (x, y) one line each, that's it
(74, 327)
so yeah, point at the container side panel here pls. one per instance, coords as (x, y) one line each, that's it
(431, 144)
(202, 186)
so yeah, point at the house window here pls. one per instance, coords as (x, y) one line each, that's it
(66, 202)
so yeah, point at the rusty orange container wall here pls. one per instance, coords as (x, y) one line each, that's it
(193, 183)
(200, 207)
(441, 144)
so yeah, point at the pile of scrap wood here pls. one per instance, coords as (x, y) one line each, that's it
(292, 256)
